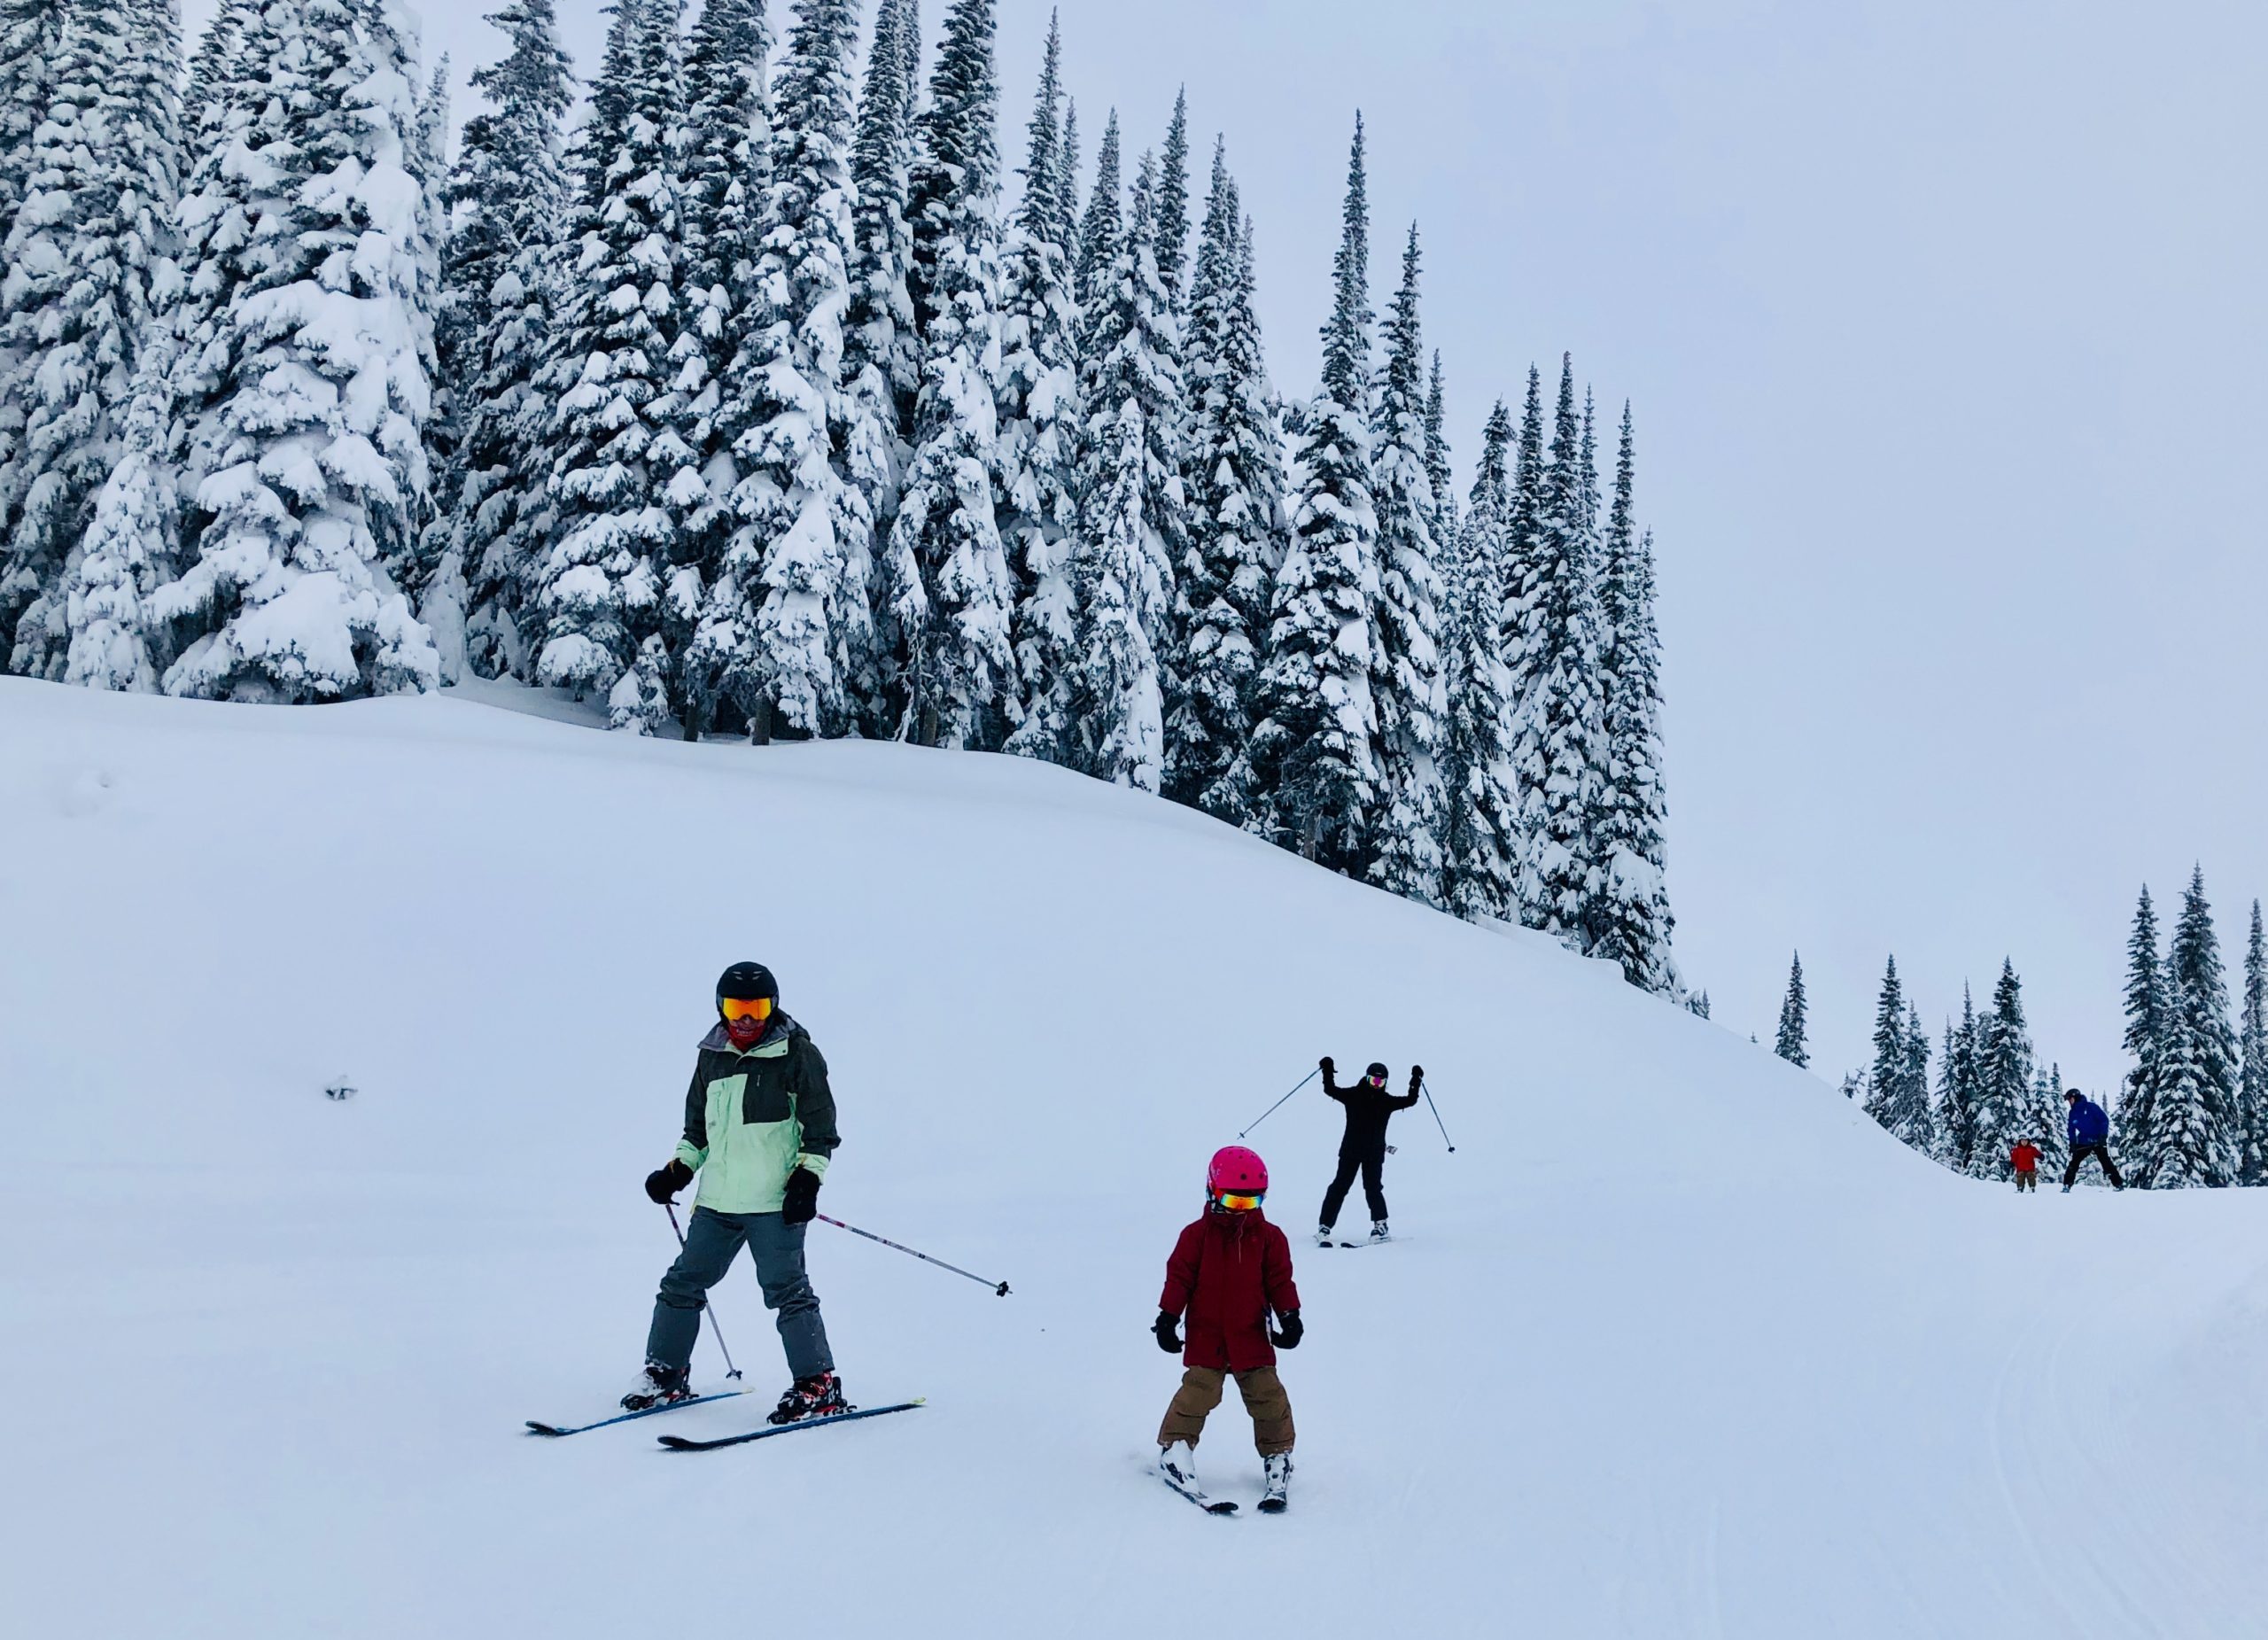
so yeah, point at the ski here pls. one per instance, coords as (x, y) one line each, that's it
(681, 1444)
(554, 1430)
(1367, 1241)
(1196, 1495)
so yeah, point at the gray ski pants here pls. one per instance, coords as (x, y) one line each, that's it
(711, 1242)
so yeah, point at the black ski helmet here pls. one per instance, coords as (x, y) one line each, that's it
(1376, 1071)
(746, 982)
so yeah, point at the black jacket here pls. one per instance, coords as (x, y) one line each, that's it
(1368, 1111)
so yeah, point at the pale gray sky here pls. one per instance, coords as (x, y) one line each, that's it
(1943, 322)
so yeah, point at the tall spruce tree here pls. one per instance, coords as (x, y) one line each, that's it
(1893, 1098)
(1173, 207)
(130, 549)
(1437, 458)
(1928, 1130)
(506, 197)
(2190, 1134)
(2004, 1078)
(1312, 754)
(320, 363)
(882, 354)
(89, 268)
(961, 668)
(1481, 831)
(1103, 226)
(29, 33)
(210, 69)
(2042, 1118)
(2252, 1032)
(1630, 921)
(1406, 666)
(785, 634)
(1957, 1090)
(1557, 749)
(1794, 1010)
(1132, 526)
(1040, 429)
(2147, 1020)
(619, 448)
(1234, 481)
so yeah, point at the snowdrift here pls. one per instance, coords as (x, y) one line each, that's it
(1676, 1344)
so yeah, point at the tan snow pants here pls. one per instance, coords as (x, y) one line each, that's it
(1200, 1393)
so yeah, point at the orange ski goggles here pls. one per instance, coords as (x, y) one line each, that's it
(756, 1008)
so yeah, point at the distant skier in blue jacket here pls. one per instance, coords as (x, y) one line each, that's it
(2089, 1127)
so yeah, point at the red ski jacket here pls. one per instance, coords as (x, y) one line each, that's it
(1227, 1271)
(2026, 1158)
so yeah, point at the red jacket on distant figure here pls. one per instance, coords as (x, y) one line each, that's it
(1227, 1271)
(2026, 1158)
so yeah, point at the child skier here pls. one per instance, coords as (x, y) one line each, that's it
(1228, 1270)
(2025, 1159)
(1368, 1108)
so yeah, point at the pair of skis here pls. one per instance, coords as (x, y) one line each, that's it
(681, 1444)
(1272, 1502)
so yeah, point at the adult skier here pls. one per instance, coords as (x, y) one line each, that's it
(1228, 1271)
(2089, 1128)
(1362, 1147)
(759, 1127)
(2025, 1160)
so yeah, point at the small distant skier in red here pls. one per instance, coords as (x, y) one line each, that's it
(1228, 1271)
(2025, 1159)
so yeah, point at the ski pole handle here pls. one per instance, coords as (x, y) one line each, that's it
(1000, 1288)
(714, 1331)
(1427, 1088)
(1279, 1105)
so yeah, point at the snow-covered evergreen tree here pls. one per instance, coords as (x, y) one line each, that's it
(130, 549)
(1066, 188)
(86, 269)
(1437, 459)
(1697, 1004)
(1132, 527)
(2146, 1020)
(319, 365)
(1040, 432)
(1790, 1044)
(2043, 1116)
(1235, 482)
(210, 71)
(1481, 830)
(1958, 1089)
(1557, 751)
(621, 476)
(505, 195)
(2004, 1078)
(1893, 1098)
(962, 667)
(29, 33)
(1102, 229)
(2252, 1031)
(1406, 667)
(2189, 1134)
(1173, 208)
(1929, 1137)
(786, 633)
(1630, 921)
(1311, 754)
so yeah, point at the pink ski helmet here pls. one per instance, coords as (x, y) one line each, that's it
(1236, 1173)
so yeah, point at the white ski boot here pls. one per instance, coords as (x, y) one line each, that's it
(1379, 1232)
(1323, 1235)
(1273, 1497)
(1177, 1463)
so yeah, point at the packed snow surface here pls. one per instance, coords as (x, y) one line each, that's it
(1676, 1343)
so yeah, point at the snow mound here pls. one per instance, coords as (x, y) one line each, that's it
(1677, 1343)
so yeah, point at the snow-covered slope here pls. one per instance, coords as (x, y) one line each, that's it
(1676, 1343)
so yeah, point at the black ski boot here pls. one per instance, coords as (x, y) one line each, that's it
(818, 1396)
(656, 1384)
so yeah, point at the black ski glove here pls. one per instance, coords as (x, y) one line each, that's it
(800, 1204)
(1168, 1327)
(1417, 1076)
(1289, 1331)
(1325, 1066)
(663, 1184)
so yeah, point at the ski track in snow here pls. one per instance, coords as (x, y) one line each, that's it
(1678, 1346)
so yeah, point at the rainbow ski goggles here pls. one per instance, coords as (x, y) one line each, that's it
(1242, 1204)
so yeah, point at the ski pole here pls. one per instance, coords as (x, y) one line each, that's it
(730, 1370)
(1427, 1088)
(1279, 1105)
(1000, 1288)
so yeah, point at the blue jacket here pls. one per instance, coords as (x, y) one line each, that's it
(2087, 1124)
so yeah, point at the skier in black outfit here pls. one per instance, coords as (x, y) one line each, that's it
(1369, 1107)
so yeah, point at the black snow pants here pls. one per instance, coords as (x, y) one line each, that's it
(2080, 1152)
(1372, 1164)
